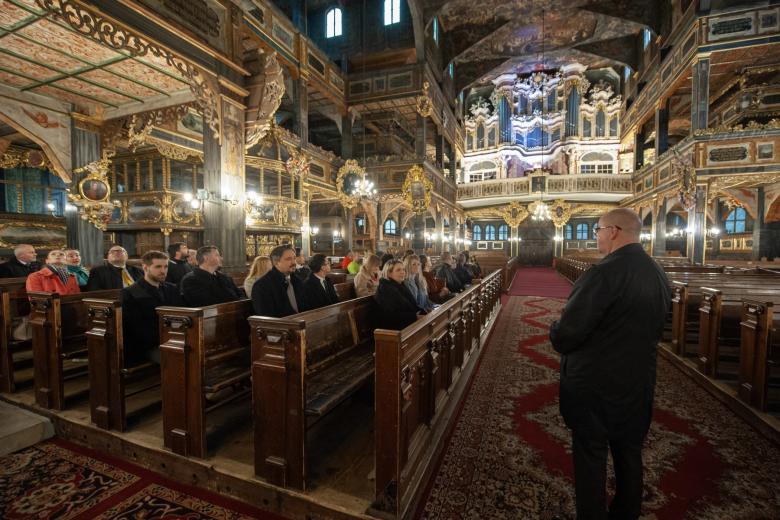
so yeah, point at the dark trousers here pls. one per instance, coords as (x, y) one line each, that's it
(590, 477)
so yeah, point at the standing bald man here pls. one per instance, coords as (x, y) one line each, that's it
(607, 337)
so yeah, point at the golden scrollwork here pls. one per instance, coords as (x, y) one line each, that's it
(773, 124)
(15, 157)
(93, 193)
(424, 102)
(172, 151)
(560, 212)
(718, 185)
(417, 190)
(351, 167)
(297, 165)
(514, 214)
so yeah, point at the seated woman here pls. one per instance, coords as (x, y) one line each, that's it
(260, 266)
(463, 274)
(366, 280)
(397, 307)
(416, 283)
(437, 288)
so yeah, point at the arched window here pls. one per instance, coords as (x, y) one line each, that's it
(490, 232)
(582, 231)
(476, 232)
(333, 23)
(391, 228)
(736, 221)
(567, 232)
(435, 30)
(392, 11)
(503, 232)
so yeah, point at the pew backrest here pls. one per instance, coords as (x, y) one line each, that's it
(14, 309)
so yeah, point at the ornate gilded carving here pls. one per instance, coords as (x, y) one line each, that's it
(682, 165)
(94, 191)
(173, 151)
(349, 173)
(560, 212)
(424, 102)
(514, 214)
(417, 190)
(773, 124)
(266, 88)
(718, 184)
(297, 165)
(15, 157)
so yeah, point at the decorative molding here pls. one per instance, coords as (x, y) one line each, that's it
(424, 103)
(415, 181)
(266, 89)
(514, 214)
(14, 157)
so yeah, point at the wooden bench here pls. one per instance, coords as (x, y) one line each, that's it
(117, 392)
(303, 366)
(16, 355)
(59, 325)
(204, 358)
(345, 291)
(759, 354)
(418, 380)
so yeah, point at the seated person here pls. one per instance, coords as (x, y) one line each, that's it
(54, 277)
(116, 274)
(139, 304)
(205, 285)
(302, 270)
(446, 272)
(473, 267)
(278, 293)
(178, 266)
(437, 289)
(355, 264)
(367, 279)
(346, 260)
(73, 259)
(319, 291)
(260, 266)
(463, 273)
(22, 264)
(415, 282)
(397, 307)
(384, 259)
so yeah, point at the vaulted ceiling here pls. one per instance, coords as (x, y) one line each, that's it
(485, 38)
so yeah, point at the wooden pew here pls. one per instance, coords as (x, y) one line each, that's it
(418, 377)
(59, 324)
(15, 355)
(345, 291)
(759, 352)
(204, 353)
(117, 391)
(303, 366)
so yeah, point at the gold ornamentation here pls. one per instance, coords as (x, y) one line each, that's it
(718, 185)
(417, 190)
(15, 157)
(174, 151)
(297, 165)
(94, 191)
(560, 212)
(424, 102)
(682, 166)
(266, 88)
(514, 214)
(350, 168)
(166, 231)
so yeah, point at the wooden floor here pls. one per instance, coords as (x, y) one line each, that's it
(341, 447)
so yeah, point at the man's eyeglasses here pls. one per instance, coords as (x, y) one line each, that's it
(596, 229)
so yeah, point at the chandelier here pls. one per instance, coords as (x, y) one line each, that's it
(363, 189)
(540, 211)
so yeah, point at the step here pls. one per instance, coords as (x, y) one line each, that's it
(20, 428)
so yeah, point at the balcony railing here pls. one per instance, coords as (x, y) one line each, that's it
(549, 185)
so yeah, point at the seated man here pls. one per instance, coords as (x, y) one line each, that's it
(139, 317)
(447, 273)
(22, 264)
(302, 270)
(205, 285)
(178, 266)
(277, 294)
(318, 289)
(73, 259)
(116, 274)
(54, 277)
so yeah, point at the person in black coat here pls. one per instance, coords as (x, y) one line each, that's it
(446, 272)
(318, 290)
(116, 274)
(205, 285)
(302, 271)
(278, 294)
(607, 337)
(397, 307)
(462, 271)
(22, 264)
(139, 303)
(178, 265)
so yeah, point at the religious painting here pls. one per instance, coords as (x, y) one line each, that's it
(538, 184)
(13, 234)
(417, 190)
(94, 190)
(293, 216)
(183, 211)
(265, 212)
(147, 211)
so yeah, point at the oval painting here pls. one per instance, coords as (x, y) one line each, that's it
(144, 211)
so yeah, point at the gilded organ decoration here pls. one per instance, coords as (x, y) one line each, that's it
(266, 88)
(417, 190)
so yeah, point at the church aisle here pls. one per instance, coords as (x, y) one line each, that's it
(509, 454)
(539, 281)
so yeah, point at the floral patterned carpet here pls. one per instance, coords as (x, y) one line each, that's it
(60, 480)
(509, 455)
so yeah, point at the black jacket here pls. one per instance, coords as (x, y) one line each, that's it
(463, 274)
(397, 307)
(201, 288)
(109, 277)
(269, 295)
(176, 270)
(15, 269)
(316, 295)
(139, 318)
(302, 273)
(454, 284)
(607, 335)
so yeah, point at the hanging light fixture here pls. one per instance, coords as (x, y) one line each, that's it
(363, 189)
(539, 210)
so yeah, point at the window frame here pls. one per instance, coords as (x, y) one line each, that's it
(582, 231)
(337, 23)
(490, 232)
(503, 232)
(732, 221)
(476, 232)
(568, 232)
(392, 224)
(392, 14)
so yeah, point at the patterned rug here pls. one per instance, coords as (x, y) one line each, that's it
(509, 455)
(539, 281)
(59, 480)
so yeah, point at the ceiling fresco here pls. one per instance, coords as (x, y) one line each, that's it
(42, 55)
(487, 38)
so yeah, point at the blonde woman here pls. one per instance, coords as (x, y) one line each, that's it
(260, 266)
(415, 281)
(367, 278)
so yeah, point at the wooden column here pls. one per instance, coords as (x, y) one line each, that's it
(700, 94)
(81, 234)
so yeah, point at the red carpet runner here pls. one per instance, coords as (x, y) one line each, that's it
(57, 479)
(539, 281)
(509, 454)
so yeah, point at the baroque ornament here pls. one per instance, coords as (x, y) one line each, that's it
(349, 175)
(297, 165)
(514, 214)
(266, 88)
(93, 193)
(417, 190)
(560, 212)
(686, 179)
(424, 103)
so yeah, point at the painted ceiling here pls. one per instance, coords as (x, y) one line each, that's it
(44, 56)
(489, 37)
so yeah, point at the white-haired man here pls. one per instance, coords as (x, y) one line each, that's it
(22, 264)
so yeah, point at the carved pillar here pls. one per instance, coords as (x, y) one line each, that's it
(717, 222)
(306, 235)
(418, 233)
(346, 137)
(639, 149)
(301, 100)
(420, 137)
(700, 94)
(439, 151)
(451, 153)
(662, 129)
(82, 235)
(505, 120)
(658, 246)
(223, 177)
(761, 234)
(349, 216)
(697, 226)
